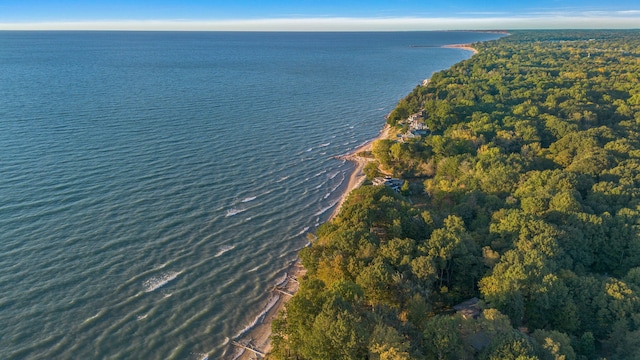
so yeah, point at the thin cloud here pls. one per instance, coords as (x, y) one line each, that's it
(560, 20)
(484, 13)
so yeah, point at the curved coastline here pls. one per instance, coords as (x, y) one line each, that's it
(461, 46)
(357, 177)
(258, 339)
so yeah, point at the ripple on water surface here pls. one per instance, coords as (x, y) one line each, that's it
(152, 192)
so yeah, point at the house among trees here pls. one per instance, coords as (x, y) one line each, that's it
(415, 122)
(393, 183)
(469, 309)
(417, 127)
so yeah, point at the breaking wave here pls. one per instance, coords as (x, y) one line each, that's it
(232, 212)
(224, 249)
(303, 231)
(281, 280)
(272, 302)
(160, 280)
(324, 210)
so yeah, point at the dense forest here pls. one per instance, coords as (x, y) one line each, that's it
(523, 199)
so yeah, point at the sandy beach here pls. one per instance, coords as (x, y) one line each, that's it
(258, 338)
(357, 176)
(461, 46)
(257, 342)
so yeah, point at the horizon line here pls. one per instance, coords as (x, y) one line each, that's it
(629, 20)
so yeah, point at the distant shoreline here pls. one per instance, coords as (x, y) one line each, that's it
(461, 46)
(358, 177)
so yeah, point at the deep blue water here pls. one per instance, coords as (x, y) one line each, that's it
(154, 186)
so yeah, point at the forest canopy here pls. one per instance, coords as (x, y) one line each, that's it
(523, 201)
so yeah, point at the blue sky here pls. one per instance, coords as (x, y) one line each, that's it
(317, 14)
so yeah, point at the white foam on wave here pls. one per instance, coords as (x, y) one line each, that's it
(326, 195)
(142, 317)
(232, 212)
(89, 319)
(92, 317)
(324, 145)
(320, 173)
(338, 184)
(309, 149)
(160, 280)
(272, 302)
(267, 192)
(254, 269)
(319, 186)
(333, 174)
(324, 210)
(281, 280)
(303, 231)
(250, 198)
(223, 249)
(162, 266)
(360, 144)
(282, 179)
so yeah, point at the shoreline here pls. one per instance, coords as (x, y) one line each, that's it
(358, 177)
(259, 337)
(461, 46)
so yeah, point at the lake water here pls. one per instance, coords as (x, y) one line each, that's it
(155, 186)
